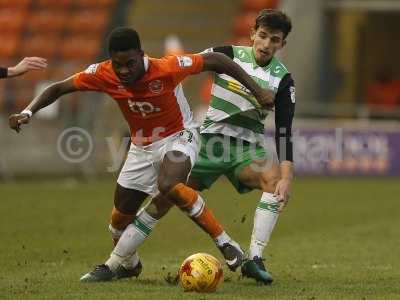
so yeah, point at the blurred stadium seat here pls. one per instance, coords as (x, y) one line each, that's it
(47, 20)
(61, 4)
(80, 48)
(7, 50)
(245, 18)
(34, 45)
(95, 3)
(69, 33)
(14, 3)
(257, 5)
(243, 23)
(11, 21)
(89, 21)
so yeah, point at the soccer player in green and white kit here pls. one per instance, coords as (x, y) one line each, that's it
(233, 140)
(234, 117)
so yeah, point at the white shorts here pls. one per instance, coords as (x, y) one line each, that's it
(142, 165)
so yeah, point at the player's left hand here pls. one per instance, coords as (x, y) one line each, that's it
(283, 191)
(27, 64)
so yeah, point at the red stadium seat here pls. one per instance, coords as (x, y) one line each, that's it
(21, 4)
(88, 21)
(257, 5)
(59, 4)
(47, 21)
(243, 23)
(94, 3)
(80, 48)
(8, 49)
(40, 45)
(11, 21)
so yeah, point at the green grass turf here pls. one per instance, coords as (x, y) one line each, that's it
(338, 239)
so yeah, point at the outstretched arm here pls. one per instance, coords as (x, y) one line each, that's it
(284, 113)
(25, 65)
(220, 63)
(47, 97)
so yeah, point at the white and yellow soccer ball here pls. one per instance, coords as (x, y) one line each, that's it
(200, 272)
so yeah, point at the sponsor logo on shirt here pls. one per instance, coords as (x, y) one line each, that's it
(156, 86)
(184, 61)
(241, 53)
(144, 108)
(278, 69)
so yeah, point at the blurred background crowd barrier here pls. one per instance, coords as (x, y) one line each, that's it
(342, 54)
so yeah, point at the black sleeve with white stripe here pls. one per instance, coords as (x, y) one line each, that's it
(284, 112)
(227, 50)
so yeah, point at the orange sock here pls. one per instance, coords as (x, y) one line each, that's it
(191, 202)
(208, 222)
(118, 223)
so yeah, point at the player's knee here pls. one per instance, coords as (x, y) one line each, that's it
(166, 185)
(119, 221)
(158, 207)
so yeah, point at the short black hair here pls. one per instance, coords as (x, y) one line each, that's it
(275, 20)
(123, 39)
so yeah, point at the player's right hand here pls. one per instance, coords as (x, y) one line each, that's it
(15, 121)
(266, 98)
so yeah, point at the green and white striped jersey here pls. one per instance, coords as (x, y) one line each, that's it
(233, 110)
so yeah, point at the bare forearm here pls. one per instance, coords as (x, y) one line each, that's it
(220, 63)
(286, 169)
(47, 97)
(51, 94)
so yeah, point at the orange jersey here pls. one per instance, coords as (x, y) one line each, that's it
(154, 106)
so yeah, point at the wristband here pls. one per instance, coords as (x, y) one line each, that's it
(3, 72)
(27, 112)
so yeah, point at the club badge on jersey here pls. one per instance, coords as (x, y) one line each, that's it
(184, 61)
(185, 136)
(156, 86)
(91, 69)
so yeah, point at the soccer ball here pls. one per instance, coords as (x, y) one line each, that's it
(200, 272)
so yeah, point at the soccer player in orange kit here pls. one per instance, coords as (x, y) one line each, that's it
(165, 142)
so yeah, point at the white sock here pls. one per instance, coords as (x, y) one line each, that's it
(133, 236)
(131, 261)
(114, 261)
(265, 219)
(128, 262)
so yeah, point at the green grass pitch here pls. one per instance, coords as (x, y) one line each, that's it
(338, 239)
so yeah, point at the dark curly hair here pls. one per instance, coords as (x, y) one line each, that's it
(122, 39)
